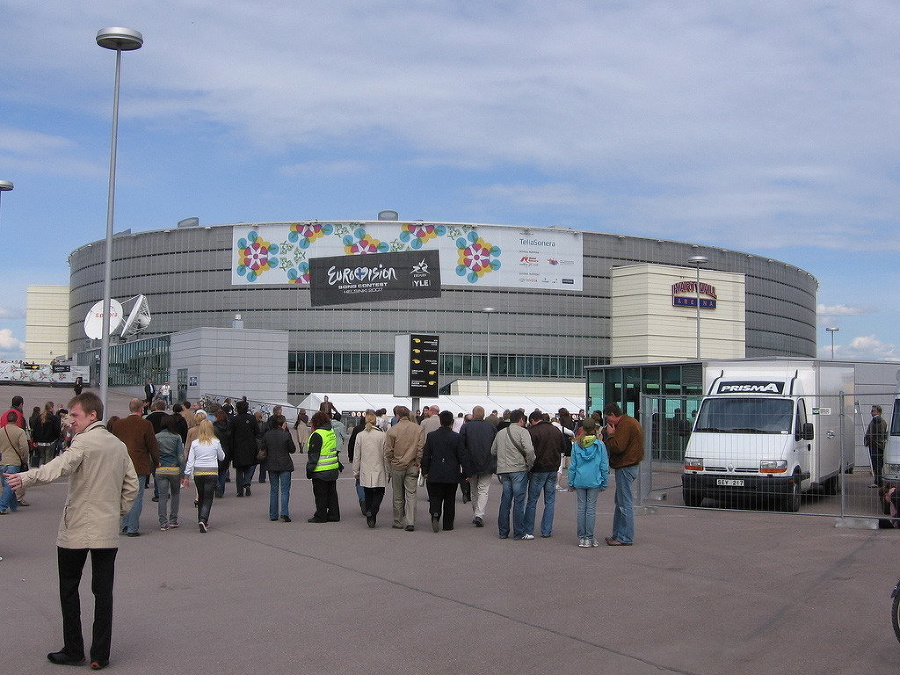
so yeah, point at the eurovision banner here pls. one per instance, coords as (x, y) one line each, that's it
(484, 256)
(407, 275)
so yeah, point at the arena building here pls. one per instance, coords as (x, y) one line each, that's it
(532, 304)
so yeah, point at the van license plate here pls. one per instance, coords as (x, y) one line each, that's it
(730, 482)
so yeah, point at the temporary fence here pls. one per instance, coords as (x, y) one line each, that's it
(776, 454)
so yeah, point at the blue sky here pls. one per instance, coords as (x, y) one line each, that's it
(766, 127)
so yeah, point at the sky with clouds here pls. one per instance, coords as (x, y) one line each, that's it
(767, 127)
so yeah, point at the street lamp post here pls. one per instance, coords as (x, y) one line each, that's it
(696, 261)
(5, 186)
(120, 40)
(488, 311)
(832, 331)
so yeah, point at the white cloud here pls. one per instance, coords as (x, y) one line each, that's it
(335, 168)
(825, 311)
(863, 348)
(10, 346)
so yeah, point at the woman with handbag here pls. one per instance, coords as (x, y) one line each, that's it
(13, 456)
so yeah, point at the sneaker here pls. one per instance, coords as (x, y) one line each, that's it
(584, 543)
(163, 528)
(527, 537)
(203, 527)
(174, 525)
(4, 512)
(595, 543)
(478, 522)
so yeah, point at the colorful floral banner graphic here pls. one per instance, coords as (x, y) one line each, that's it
(490, 256)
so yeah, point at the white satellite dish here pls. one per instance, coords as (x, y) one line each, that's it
(93, 322)
(138, 318)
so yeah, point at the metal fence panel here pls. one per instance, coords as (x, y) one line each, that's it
(778, 455)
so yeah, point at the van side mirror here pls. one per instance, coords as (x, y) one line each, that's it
(806, 432)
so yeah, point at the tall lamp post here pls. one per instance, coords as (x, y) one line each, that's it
(120, 40)
(696, 261)
(5, 186)
(832, 331)
(488, 311)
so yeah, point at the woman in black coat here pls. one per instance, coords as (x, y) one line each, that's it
(278, 446)
(441, 466)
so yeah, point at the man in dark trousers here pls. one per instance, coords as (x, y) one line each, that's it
(138, 436)
(102, 486)
(875, 440)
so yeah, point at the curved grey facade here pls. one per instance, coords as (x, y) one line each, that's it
(186, 274)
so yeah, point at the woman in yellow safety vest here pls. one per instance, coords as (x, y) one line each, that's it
(323, 467)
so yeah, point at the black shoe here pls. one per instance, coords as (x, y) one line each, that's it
(62, 658)
(273, 519)
(286, 519)
(315, 520)
(155, 499)
(410, 528)
(436, 523)
(133, 534)
(370, 521)
(240, 493)
(247, 490)
(362, 507)
(478, 522)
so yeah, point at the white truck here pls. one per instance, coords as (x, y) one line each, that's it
(891, 469)
(770, 430)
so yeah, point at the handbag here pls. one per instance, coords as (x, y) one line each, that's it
(23, 463)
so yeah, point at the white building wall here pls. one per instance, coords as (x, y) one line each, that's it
(230, 362)
(647, 327)
(46, 323)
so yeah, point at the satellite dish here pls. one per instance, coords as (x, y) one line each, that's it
(138, 318)
(93, 322)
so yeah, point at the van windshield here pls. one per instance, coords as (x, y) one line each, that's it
(745, 416)
(895, 421)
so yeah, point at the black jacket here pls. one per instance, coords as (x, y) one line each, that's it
(549, 444)
(477, 437)
(279, 447)
(244, 434)
(442, 456)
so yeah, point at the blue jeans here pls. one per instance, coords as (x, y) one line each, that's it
(168, 484)
(513, 498)
(587, 511)
(8, 497)
(537, 482)
(131, 521)
(623, 517)
(279, 484)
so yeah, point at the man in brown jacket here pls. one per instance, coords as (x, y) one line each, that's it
(102, 486)
(625, 445)
(137, 435)
(404, 453)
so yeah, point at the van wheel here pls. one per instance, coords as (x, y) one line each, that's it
(791, 501)
(692, 497)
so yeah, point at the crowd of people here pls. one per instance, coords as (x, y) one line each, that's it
(111, 462)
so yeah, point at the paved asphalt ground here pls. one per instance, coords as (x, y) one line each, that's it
(702, 591)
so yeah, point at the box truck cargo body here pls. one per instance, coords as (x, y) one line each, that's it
(770, 429)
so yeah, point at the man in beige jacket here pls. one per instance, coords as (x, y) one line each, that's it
(102, 487)
(403, 452)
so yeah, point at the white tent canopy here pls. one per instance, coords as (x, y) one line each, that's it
(357, 404)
